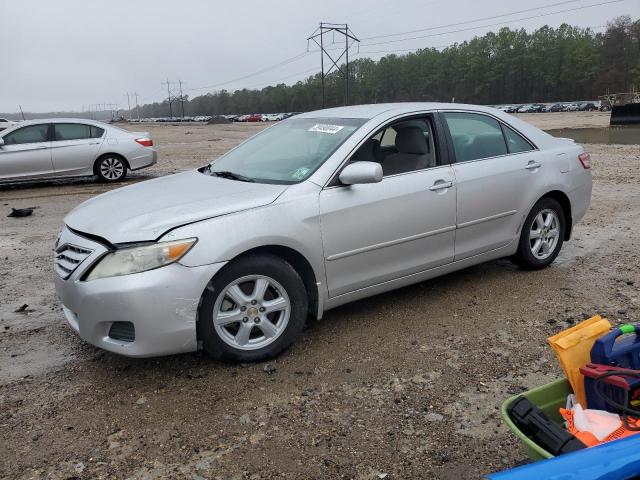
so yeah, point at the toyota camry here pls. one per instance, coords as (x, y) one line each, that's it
(316, 211)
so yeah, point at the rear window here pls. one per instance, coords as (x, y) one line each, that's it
(76, 131)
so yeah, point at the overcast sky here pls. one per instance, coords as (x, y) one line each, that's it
(63, 54)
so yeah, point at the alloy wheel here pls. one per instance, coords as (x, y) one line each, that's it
(544, 234)
(112, 168)
(251, 312)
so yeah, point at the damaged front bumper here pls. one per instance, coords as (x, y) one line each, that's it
(157, 309)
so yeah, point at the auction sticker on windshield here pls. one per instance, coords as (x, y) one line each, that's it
(324, 128)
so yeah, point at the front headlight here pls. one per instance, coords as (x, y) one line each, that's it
(139, 259)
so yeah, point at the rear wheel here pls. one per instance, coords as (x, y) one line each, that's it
(111, 168)
(542, 235)
(253, 310)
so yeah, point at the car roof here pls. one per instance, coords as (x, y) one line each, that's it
(390, 109)
(63, 120)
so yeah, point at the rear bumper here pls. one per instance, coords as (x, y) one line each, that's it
(580, 199)
(161, 304)
(145, 158)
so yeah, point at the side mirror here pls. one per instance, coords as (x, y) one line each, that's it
(1, 142)
(361, 172)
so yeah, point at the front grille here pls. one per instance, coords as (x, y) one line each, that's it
(124, 331)
(68, 257)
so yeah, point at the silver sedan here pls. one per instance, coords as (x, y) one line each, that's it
(60, 147)
(319, 210)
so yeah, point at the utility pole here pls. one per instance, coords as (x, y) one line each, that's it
(137, 108)
(169, 97)
(318, 34)
(21, 112)
(181, 98)
(129, 105)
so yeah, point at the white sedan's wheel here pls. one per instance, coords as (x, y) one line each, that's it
(111, 168)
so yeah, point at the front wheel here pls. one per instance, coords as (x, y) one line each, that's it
(252, 310)
(111, 168)
(542, 235)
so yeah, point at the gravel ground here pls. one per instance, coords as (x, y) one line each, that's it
(406, 384)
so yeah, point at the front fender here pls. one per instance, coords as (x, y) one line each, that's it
(294, 224)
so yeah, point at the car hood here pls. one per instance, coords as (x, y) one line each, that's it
(145, 211)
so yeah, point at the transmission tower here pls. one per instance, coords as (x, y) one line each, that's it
(169, 96)
(318, 36)
(181, 98)
(137, 108)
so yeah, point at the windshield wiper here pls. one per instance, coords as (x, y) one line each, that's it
(231, 176)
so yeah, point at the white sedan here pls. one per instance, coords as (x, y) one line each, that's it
(72, 148)
(4, 123)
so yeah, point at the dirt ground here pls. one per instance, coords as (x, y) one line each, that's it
(406, 384)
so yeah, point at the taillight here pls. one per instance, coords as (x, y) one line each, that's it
(145, 142)
(585, 160)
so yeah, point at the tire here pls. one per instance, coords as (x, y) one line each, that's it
(111, 168)
(234, 321)
(546, 216)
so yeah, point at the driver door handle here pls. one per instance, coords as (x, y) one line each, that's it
(532, 165)
(440, 185)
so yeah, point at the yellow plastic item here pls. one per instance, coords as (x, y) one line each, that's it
(573, 348)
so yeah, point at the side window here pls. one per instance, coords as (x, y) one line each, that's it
(30, 134)
(404, 146)
(515, 142)
(71, 131)
(475, 136)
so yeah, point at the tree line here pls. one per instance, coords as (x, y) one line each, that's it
(509, 66)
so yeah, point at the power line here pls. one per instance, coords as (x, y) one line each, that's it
(266, 69)
(492, 24)
(472, 21)
(399, 50)
(314, 69)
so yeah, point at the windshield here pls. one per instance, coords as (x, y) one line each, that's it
(288, 152)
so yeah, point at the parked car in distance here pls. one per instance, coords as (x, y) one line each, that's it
(303, 217)
(254, 117)
(69, 147)
(524, 108)
(587, 107)
(571, 107)
(556, 107)
(273, 117)
(4, 124)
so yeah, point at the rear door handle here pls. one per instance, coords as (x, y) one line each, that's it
(440, 185)
(532, 165)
